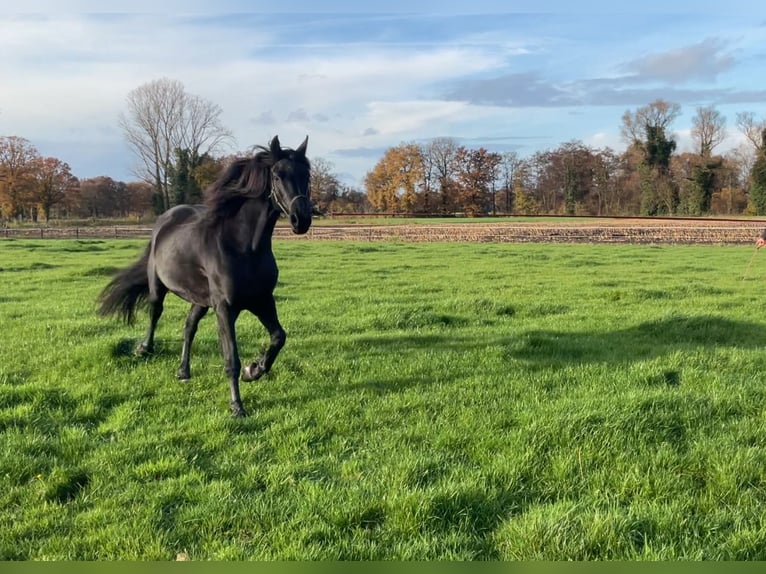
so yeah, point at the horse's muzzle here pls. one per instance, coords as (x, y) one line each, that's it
(300, 216)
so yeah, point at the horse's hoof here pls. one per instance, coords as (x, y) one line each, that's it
(183, 376)
(143, 350)
(252, 372)
(238, 411)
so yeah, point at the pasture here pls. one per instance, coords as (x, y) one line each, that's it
(433, 401)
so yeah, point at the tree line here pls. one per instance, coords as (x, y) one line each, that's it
(178, 142)
(648, 178)
(35, 188)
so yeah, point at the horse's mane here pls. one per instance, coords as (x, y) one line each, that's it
(245, 178)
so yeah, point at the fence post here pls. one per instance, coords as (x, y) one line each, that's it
(77, 232)
(41, 233)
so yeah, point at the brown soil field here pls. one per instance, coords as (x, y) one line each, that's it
(634, 231)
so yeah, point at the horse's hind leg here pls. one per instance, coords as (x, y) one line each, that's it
(156, 305)
(190, 329)
(267, 315)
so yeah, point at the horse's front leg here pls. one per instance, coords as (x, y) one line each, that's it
(267, 315)
(228, 340)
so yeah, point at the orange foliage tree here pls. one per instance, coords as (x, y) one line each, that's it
(17, 159)
(51, 182)
(393, 184)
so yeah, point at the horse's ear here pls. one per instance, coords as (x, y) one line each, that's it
(276, 148)
(301, 150)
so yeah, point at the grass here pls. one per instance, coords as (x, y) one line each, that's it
(433, 401)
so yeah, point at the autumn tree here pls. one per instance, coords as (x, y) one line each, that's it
(392, 185)
(51, 182)
(17, 159)
(103, 197)
(475, 175)
(208, 168)
(139, 198)
(163, 118)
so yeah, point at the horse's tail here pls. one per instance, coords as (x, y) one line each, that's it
(127, 290)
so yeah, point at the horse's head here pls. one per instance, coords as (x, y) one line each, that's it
(291, 184)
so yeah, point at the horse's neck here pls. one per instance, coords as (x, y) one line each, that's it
(255, 222)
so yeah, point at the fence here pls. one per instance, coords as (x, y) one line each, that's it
(111, 232)
(637, 232)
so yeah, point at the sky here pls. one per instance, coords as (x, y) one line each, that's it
(361, 77)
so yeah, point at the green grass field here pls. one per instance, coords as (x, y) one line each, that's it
(433, 401)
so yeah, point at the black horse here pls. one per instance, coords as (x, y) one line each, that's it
(219, 255)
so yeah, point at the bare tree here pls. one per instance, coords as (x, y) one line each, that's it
(440, 157)
(325, 186)
(708, 129)
(742, 158)
(605, 191)
(658, 116)
(510, 164)
(202, 130)
(754, 130)
(162, 118)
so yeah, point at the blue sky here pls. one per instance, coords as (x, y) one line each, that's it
(360, 77)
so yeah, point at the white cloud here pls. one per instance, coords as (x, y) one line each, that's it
(604, 139)
(64, 78)
(69, 76)
(391, 118)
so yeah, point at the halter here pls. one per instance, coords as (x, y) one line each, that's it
(280, 205)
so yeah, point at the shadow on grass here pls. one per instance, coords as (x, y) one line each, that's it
(547, 348)
(100, 271)
(648, 339)
(642, 341)
(538, 348)
(126, 349)
(37, 266)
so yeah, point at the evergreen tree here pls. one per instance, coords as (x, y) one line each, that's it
(758, 188)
